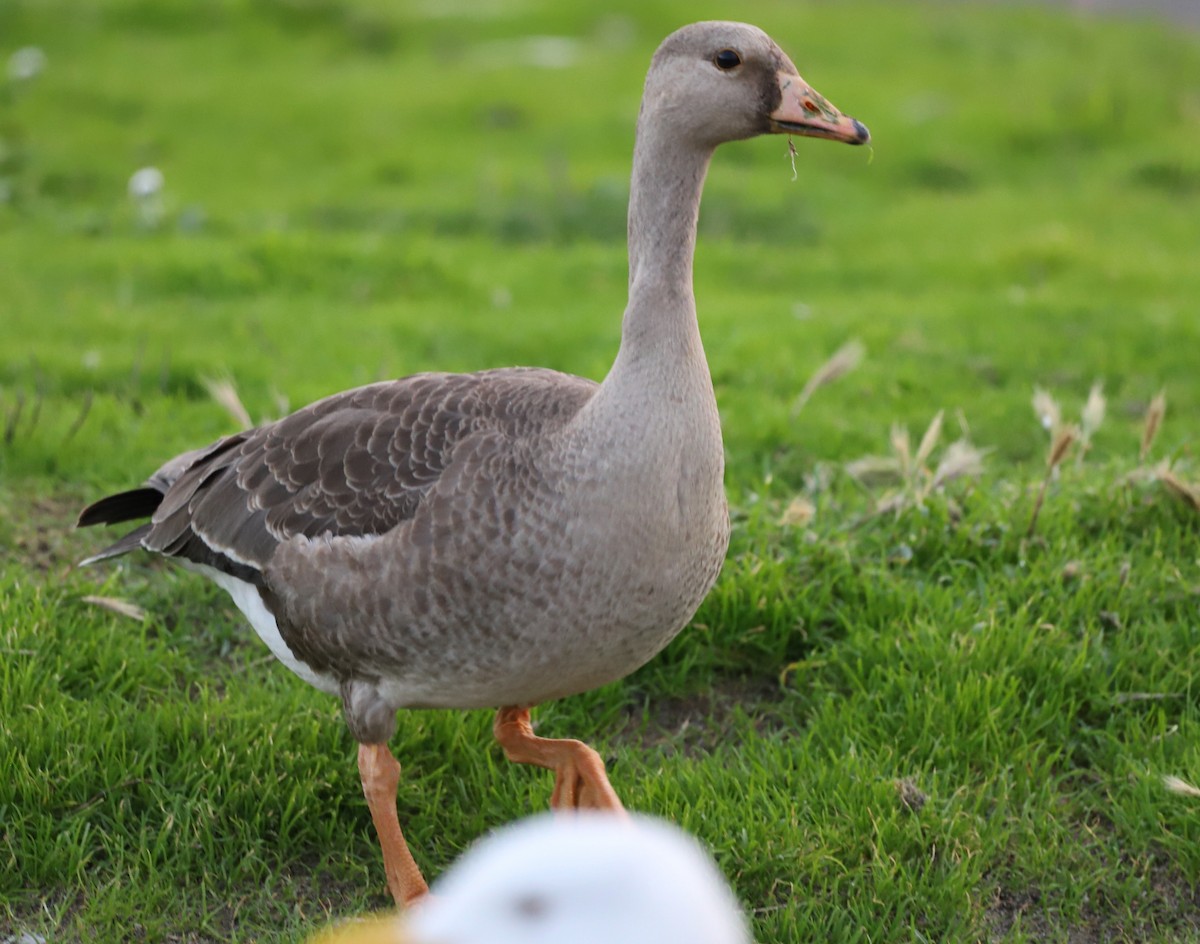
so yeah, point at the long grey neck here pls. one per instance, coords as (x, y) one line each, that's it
(659, 329)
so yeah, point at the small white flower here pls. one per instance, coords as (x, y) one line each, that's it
(26, 63)
(145, 183)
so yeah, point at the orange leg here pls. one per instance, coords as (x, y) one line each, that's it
(579, 778)
(380, 776)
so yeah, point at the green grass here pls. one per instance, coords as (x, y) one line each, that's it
(357, 191)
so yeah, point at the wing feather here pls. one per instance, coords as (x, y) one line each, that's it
(356, 463)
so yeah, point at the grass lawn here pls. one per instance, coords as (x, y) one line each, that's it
(900, 716)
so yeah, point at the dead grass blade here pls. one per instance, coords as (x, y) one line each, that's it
(1091, 419)
(281, 403)
(1059, 447)
(120, 607)
(1189, 494)
(223, 391)
(910, 470)
(1125, 698)
(902, 447)
(1093, 411)
(1180, 786)
(799, 512)
(1150, 425)
(876, 470)
(893, 501)
(1063, 440)
(844, 360)
(1048, 412)
(929, 440)
(960, 460)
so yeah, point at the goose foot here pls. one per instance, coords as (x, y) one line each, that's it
(380, 774)
(579, 778)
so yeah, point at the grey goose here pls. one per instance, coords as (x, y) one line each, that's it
(502, 538)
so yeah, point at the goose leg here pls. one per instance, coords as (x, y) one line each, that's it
(380, 774)
(579, 778)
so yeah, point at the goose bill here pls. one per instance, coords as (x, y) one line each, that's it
(805, 111)
(376, 929)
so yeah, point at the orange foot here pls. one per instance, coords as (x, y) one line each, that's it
(579, 778)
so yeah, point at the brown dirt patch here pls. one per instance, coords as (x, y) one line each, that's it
(695, 724)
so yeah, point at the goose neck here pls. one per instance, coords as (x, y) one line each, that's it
(664, 203)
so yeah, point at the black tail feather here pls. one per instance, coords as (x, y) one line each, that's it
(124, 506)
(130, 542)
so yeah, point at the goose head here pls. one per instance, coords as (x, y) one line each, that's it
(583, 879)
(718, 81)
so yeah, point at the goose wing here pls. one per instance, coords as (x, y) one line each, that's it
(356, 463)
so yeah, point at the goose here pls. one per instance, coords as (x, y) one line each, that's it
(503, 538)
(548, 879)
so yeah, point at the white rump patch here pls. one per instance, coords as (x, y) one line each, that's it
(247, 599)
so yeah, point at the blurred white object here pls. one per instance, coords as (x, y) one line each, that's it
(584, 879)
(146, 182)
(145, 189)
(26, 63)
(23, 937)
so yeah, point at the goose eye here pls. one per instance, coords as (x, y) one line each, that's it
(531, 906)
(727, 59)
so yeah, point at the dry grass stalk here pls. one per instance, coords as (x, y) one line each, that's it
(1180, 786)
(1150, 426)
(932, 432)
(223, 391)
(1145, 474)
(964, 428)
(876, 470)
(1048, 412)
(120, 607)
(1093, 410)
(961, 459)
(1091, 419)
(1126, 698)
(799, 512)
(891, 502)
(844, 360)
(1059, 447)
(1123, 573)
(1189, 494)
(1063, 440)
(902, 447)
(280, 402)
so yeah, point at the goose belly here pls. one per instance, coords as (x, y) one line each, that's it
(583, 620)
(481, 612)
